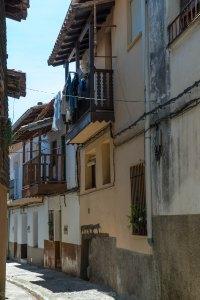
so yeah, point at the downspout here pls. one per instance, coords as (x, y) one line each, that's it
(147, 141)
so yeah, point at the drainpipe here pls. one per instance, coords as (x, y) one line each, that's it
(147, 142)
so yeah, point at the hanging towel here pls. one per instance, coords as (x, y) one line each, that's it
(57, 118)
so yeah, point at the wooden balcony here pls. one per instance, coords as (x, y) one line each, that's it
(44, 175)
(187, 16)
(95, 110)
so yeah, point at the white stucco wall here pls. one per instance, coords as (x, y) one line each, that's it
(43, 232)
(71, 168)
(71, 219)
(18, 226)
(184, 170)
(16, 171)
(184, 174)
(12, 226)
(42, 211)
(184, 58)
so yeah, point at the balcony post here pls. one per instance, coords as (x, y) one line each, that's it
(38, 166)
(77, 58)
(24, 148)
(91, 63)
(66, 71)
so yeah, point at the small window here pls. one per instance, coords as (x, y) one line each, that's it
(135, 19)
(51, 225)
(105, 150)
(90, 171)
(138, 200)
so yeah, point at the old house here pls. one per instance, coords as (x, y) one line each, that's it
(12, 84)
(174, 47)
(105, 95)
(43, 207)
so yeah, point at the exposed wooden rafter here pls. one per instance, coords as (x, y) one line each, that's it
(16, 9)
(16, 84)
(75, 29)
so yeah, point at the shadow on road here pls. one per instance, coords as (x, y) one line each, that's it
(56, 281)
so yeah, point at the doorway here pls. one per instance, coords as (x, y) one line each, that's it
(85, 253)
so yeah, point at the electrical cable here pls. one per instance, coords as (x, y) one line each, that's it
(160, 107)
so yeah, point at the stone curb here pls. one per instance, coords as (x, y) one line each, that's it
(23, 286)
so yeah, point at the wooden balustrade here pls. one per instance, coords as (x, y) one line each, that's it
(44, 168)
(103, 95)
(103, 89)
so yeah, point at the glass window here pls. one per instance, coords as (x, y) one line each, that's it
(135, 19)
(90, 171)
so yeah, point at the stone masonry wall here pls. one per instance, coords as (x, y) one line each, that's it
(131, 274)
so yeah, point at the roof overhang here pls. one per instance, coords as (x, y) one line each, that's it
(16, 84)
(16, 9)
(73, 28)
(25, 202)
(37, 125)
(36, 120)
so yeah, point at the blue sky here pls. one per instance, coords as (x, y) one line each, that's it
(29, 46)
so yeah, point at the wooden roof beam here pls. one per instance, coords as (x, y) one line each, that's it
(83, 33)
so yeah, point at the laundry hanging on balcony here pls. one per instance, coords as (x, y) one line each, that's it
(69, 98)
(58, 123)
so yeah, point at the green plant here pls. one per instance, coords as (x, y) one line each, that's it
(137, 218)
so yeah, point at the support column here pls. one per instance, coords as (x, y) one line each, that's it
(77, 58)
(91, 63)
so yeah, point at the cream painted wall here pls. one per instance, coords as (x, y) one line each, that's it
(110, 206)
(96, 146)
(128, 70)
(127, 65)
(71, 218)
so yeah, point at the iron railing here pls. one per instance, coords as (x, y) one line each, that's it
(184, 19)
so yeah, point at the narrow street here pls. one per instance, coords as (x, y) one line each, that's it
(49, 284)
(14, 292)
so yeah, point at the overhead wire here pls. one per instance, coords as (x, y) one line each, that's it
(195, 101)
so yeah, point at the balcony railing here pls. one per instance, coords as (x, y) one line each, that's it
(102, 99)
(12, 189)
(184, 19)
(43, 169)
